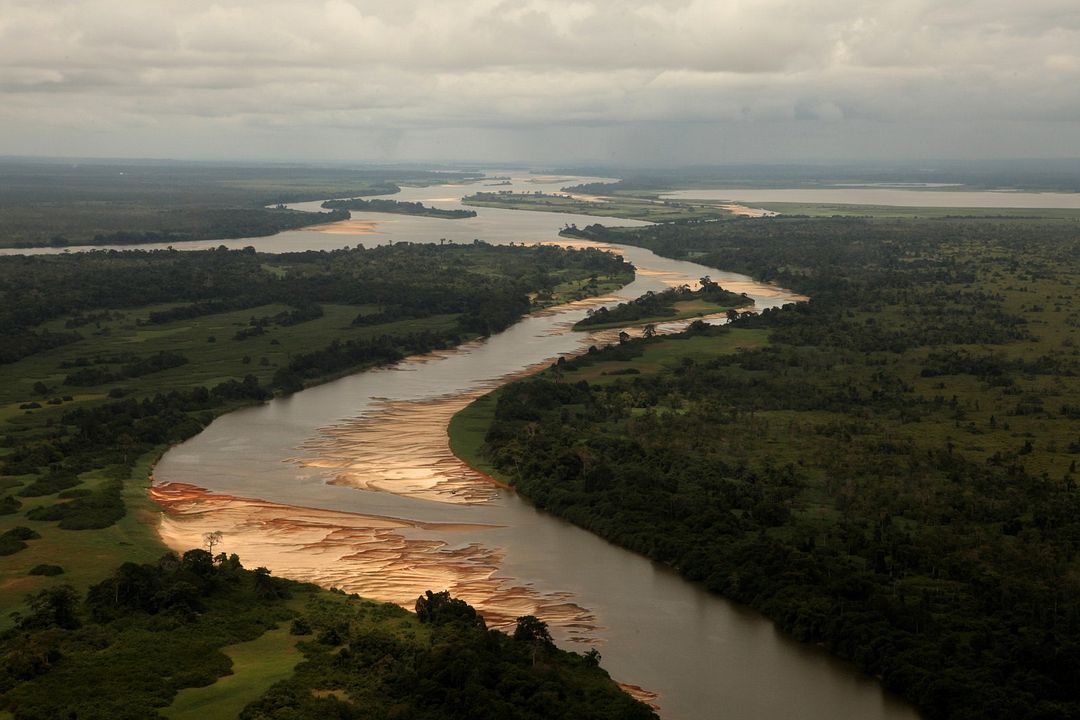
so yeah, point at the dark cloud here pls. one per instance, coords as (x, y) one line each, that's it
(544, 79)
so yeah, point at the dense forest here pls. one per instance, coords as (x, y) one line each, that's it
(110, 357)
(892, 475)
(396, 206)
(148, 631)
(58, 203)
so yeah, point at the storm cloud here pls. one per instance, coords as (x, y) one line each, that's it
(539, 80)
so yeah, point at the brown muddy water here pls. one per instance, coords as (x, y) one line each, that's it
(352, 485)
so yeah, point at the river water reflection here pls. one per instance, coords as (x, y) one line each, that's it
(351, 484)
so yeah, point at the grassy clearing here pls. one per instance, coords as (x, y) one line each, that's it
(256, 665)
(467, 430)
(670, 353)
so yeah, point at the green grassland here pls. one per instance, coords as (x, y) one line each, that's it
(256, 665)
(632, 208)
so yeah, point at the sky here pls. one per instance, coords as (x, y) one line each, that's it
(646, 83)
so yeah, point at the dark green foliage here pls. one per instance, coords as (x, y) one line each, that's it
(661, 304)
(55, 607)
(9, 505)
(225, 224)
(14, 539)
(440, 609)
(136, 368)
(22, 533)
(149, 630)
(396, 206)
(405, 280)
(100, 509)
(361, 668)
(141, 635)
(820, 480)
(46, 570)
(52, 482)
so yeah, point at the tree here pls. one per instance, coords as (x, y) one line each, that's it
(52, 607)
(533, 631)
(439, 608)
(211, 539)
(648, 331)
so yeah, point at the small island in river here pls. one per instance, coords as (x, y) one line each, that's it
(396, 206)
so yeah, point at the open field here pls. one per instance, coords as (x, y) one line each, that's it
(256, 665)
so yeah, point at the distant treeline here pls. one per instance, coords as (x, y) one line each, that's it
(211, 225)
(396, 206)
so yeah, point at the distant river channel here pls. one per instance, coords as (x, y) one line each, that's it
(351, 484)
(935, 197)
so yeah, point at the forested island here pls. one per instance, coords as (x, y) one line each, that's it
(111, 357)
(673, 304)
(635, 208)
(400, 207)
(887, 470)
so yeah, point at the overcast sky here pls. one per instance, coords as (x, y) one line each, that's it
(624, 81)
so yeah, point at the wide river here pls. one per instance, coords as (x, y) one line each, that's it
(936, 197)
(351, 484)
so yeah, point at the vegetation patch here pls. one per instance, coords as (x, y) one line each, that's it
(891, 476)
(632, 208)
(397, 206)
(197, 635)
(674, 304)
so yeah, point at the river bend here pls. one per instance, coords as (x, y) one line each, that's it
(352, 485)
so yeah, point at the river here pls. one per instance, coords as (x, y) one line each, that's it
(352, 485)
(936, 197)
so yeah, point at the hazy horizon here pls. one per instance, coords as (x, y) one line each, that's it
(637, 83)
